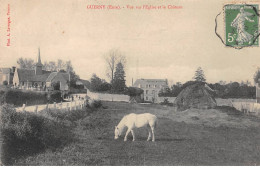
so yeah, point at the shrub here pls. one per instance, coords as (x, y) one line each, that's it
(26, 134)
(134, 91)
(94, 104)
(54, 96)
(166, 102)
(5, 83)
(18, 97)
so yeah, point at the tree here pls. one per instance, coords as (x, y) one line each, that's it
(25, 63)
(95, 82)
(199, 75)
(257, 75)
(118, 83)
(50, 66)
(112, 58)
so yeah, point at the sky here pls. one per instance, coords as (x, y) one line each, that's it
(158, 44)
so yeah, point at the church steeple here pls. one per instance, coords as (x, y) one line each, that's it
(38, 66)
(39, 62)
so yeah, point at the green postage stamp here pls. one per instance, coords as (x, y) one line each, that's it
(241, 25)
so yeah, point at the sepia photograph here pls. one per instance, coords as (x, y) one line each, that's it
(129, 83)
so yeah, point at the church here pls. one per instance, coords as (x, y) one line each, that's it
(38, 79)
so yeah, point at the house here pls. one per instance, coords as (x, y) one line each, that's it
(151, 88)
(39, 79)
(7, 74)
(60, 78)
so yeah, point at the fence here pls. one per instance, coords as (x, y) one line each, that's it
(247, 107)
(108, 97)
(74, 105)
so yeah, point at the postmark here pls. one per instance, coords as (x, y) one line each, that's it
(241, 25)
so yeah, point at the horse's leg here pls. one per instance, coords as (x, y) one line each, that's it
(149, 132)
(152, 128)
(126, 134)
(132, 131)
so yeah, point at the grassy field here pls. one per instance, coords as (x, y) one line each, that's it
(222, 136)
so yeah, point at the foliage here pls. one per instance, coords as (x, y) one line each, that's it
(199, 75)
(97, 84)
(118, 84)
(134, 91)
(112, 58)
(54, 96)
(18, 97)
(25, 63)
(221, 90)
(95, 104)
(77, 90)
(166, 102)
(257, 76)
(26, 134)
(5, 83)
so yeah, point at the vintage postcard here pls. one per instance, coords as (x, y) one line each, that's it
(129, 83)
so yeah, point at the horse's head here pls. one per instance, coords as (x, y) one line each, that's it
(117, 132)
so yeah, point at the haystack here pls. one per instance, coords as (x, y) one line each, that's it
(198, 95)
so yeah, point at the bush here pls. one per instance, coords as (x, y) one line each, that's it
(134, 91)
(26, 134)
(95, 104)
(5, 83)
(18, 97)
(54, 96)
(166, 102)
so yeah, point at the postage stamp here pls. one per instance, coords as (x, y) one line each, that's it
(241, 25)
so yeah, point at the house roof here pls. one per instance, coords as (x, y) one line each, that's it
(150, 81)
(54, 74)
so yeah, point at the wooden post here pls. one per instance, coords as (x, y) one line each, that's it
(24, 107)
(47, 107)
(71, 106)
(36, 109)
(61, 106)
(68, 107)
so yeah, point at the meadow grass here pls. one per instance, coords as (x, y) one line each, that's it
(177, 142)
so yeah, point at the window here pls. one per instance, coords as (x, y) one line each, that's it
(146, 86)
(146, 91)
(149, 85)
(146, 98)
(155, 86)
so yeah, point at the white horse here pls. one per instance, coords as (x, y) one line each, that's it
(132, 121)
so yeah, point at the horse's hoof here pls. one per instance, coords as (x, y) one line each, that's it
(125, 140)
(133, 140)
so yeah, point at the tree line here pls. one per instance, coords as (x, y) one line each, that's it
(221, 89)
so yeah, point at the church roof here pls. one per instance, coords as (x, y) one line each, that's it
(29, 75)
